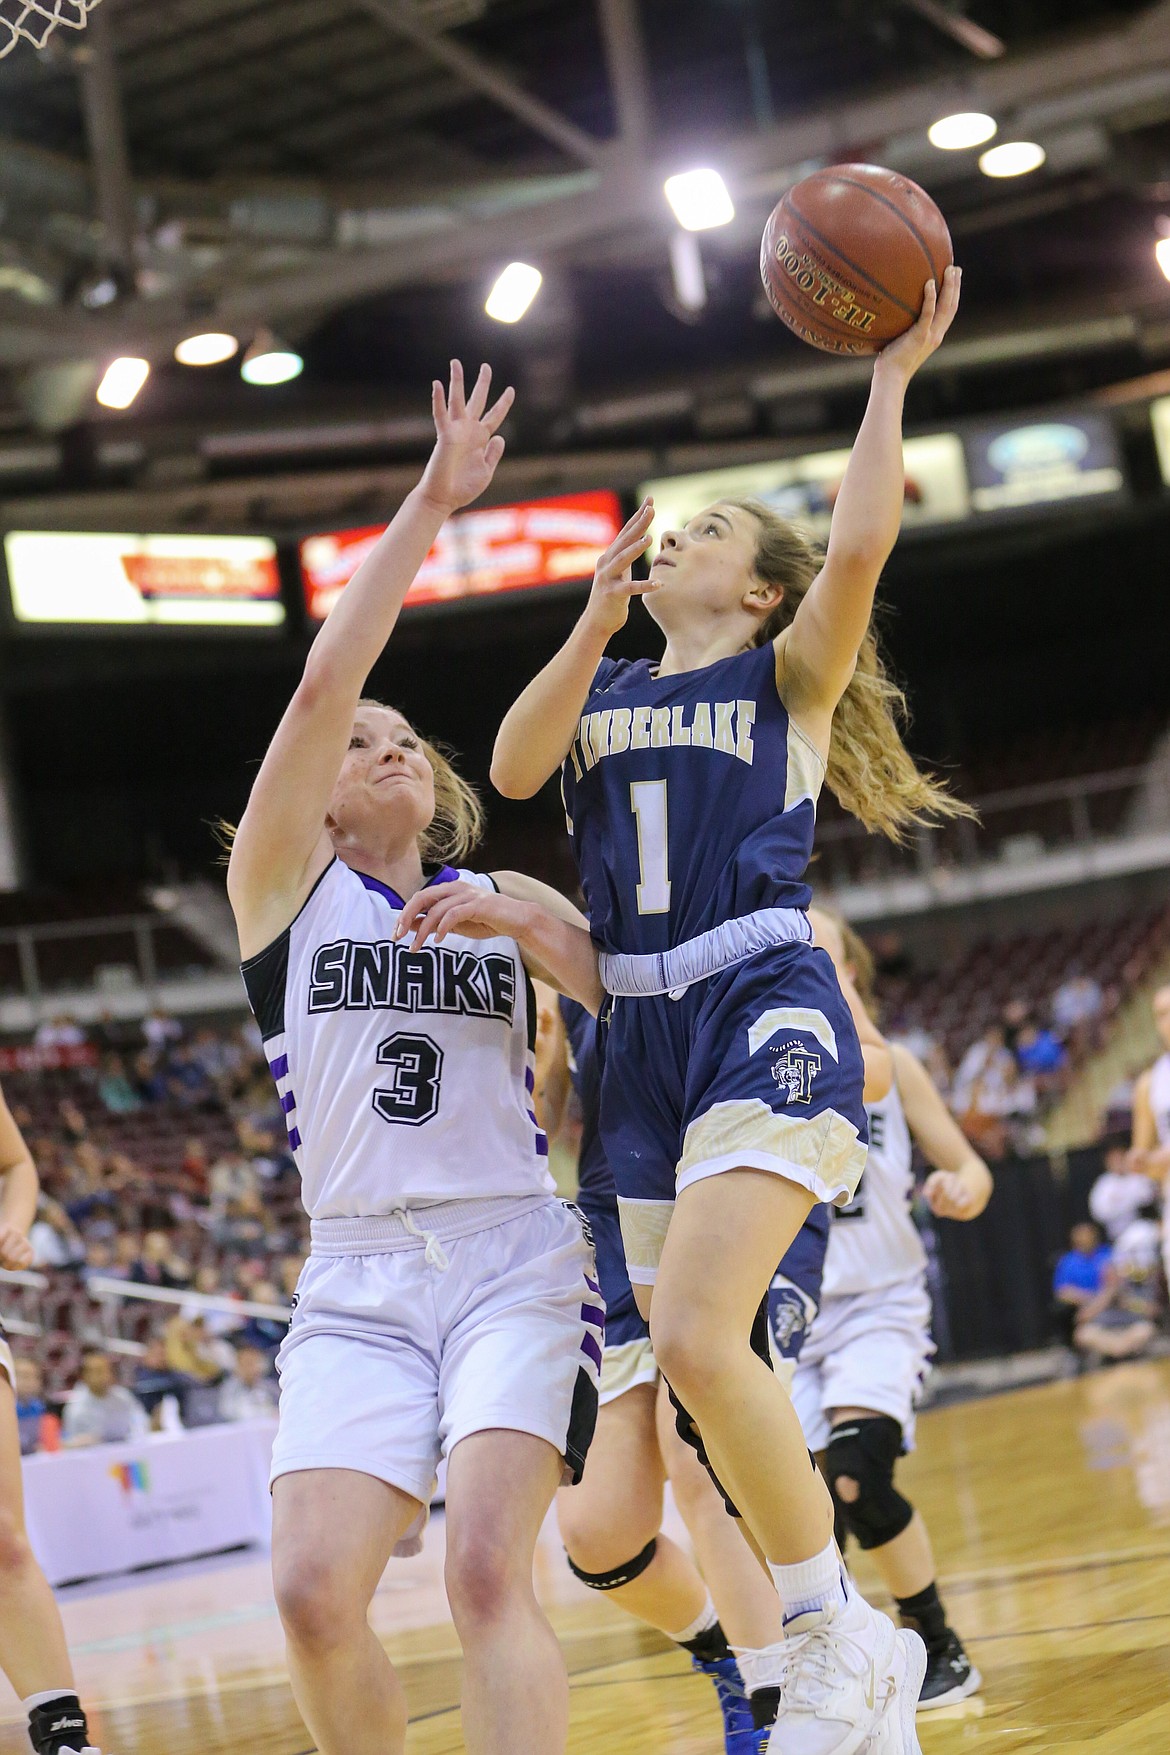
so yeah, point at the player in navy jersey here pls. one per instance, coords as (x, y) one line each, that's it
(449, 1305)
(732, 1092)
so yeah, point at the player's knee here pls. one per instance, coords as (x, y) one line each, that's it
(596, 1545)
(600, 1570)
(481, 1578)
(317, 1609)
(15, 1554)
(687, 1353)
(859, 1464)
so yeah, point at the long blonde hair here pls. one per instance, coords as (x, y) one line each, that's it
(458, 823)
(871, 773)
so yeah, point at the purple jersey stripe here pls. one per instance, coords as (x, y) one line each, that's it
(541, 1146)
(288, 1102)
(592, 1285)
(589, 1313)
(294, 1138)
(529, 1080)
(591, 1346)
(279, 1067)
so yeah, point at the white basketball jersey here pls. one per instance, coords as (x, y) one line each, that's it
(1160, 1098)
(873, 1242)
(405, 1076)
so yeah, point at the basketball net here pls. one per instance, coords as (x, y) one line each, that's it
(36, 20)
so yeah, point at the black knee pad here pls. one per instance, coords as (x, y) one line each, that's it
(866, 1451)
(617, 1575)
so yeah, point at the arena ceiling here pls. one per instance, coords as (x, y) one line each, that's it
(351, 172)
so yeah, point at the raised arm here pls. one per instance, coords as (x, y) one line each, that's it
(960, 1185)
(553, 937)
(816, 655)
(19, 1187)
(281, 846)
(539, 727)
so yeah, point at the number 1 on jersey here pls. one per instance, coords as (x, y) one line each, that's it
(648, 803)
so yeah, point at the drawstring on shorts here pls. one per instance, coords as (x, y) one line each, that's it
(434, 1254)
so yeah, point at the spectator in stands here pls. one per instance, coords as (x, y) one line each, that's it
(264, 1333)
(99, 1410)
(1077, 1003)
(187, 1081)
(1079, 1277)
(59, 1032)
(1120, 1193)
(114, 1088)
(149, 1079)
(34, 1421)
(159, 1029)
(154, 1379)
(250, 1392)
(231, 1179)
(56, 1241)
(158, 1264)
(1119, 1323)
(191, 1351)
(1040, 1052)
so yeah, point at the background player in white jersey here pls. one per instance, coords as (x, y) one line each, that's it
(32, 1640)
(1150, 1143)
(448, 1305)
(865, 1356)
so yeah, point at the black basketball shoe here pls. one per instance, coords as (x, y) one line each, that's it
(950, 1674)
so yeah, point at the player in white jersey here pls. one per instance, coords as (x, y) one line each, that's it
(33, 1654)
(449, 1305)
(866, 1353)
(1151, 1119)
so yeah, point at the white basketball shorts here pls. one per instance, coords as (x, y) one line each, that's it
(400, 1344)
(864, 1350)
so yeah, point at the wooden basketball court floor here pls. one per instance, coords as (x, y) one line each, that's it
(1050, 1510)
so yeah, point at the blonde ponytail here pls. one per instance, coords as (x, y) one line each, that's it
(871, 773)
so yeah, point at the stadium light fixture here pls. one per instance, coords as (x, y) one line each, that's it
(207, 350)
(514, 290)
(270, 361)
(700, 200)
(961, 131)
(1014, 158)
(123, 380)
(1162, 255)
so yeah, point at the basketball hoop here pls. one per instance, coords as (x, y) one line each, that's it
(36, 20)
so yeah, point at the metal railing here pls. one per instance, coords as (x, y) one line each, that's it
(109, 1302)
(1015, 823)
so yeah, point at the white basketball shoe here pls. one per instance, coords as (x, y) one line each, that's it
(851, 1685)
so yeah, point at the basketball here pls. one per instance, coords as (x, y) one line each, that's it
(846, 254)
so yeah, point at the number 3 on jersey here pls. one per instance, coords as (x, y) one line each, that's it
(416, 1067)
(648, 803)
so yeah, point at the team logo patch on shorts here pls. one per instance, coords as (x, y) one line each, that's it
(794, 1067)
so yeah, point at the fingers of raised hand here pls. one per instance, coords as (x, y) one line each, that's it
(477, 401)
(439, 406)
(494, 418)
(455, 398)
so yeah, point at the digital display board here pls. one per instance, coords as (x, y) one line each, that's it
(1062, 457)
(98, 579)
(501, 548)
(805, 489)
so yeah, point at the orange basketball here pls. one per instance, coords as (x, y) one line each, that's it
(846, 254)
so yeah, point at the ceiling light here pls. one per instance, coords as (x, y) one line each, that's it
(700, 200)
(206, 350)
(957, 133)
(269, 361)
(1015, 158)
(515, 288)
(122, 382)
(1162, 255)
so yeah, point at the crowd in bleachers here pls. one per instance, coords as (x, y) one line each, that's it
(164, 1164)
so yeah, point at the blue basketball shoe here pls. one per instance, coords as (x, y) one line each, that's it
(740, 1736)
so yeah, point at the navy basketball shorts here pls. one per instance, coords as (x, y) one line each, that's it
(757, 1067)
(628, 1359)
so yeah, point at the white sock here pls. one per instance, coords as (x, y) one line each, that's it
(812, 1592)
(47, 1694)
(706, 1618)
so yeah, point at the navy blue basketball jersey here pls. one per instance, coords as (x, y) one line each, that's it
(594, 1178)
(691, 800)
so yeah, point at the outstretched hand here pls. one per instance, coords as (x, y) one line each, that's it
(613, 580)
(468, 445)
(16, 1251)
(938, 313)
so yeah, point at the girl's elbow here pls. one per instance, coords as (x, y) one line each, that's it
(508, 780)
